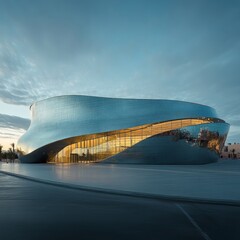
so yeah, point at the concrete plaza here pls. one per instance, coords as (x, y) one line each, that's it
(216, 182)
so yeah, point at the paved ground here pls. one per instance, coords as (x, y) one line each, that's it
(216, 182)
(31, 210)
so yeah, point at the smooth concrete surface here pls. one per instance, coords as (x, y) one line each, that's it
(218, 181)
(35, 211)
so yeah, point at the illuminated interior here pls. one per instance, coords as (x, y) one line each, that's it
(100, 146)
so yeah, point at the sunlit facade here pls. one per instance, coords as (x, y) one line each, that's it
(84, 129)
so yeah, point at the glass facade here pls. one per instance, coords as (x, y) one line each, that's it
(100, 146)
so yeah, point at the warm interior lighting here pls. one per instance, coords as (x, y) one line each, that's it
(96, 147)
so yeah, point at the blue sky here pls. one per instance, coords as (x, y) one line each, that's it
(185, 50)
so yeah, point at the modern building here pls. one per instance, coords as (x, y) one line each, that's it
(231, 151)
(85, 129)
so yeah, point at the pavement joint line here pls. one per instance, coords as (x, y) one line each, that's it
(193, 222)
(127, 193)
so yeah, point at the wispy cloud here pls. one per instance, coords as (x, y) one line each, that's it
(188, 50)
(13, 122)
(11, 128)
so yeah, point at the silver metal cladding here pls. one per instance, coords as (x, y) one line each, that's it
(77, 128)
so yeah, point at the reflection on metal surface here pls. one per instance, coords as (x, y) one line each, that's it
(205, 137)
(180, 146)
(87, 129)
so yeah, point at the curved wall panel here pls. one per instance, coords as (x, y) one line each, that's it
(198, 144)
(92, 129)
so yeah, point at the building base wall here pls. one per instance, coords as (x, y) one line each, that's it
(164, 150)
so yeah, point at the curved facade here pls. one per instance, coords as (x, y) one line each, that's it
(87, 129)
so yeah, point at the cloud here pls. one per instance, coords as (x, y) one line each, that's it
(188, 50)
(13, 122)
(18, 84)
(11, 128)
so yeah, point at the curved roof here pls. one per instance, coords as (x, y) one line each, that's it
(66, 116)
